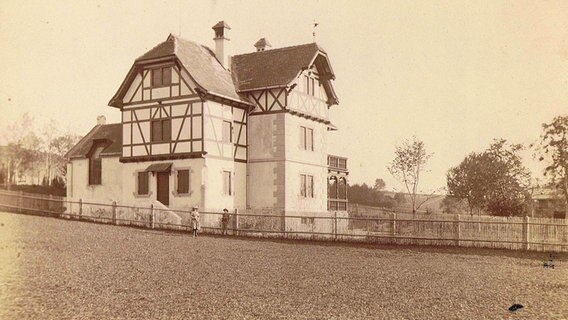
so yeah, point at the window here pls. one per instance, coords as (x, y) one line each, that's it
(227, 189)
(227, 131)
(143, 184)
(183, 181)
(95, 164)
(307, 138)
(161, 130)
(161, 77)
(310, 84)
(306, 186)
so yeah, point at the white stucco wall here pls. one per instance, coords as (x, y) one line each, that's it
(300, 161)
(108, 191)
(266, 156)
(129, 174)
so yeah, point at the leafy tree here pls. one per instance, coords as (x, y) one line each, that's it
(410, 160)
(553, 149)
(494, 180)
(467, 180)
(379, 184)
(365, 195)
(400, 198)
(453, 205)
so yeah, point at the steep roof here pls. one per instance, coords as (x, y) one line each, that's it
(270, 68)
(111, 134)
(199, 61)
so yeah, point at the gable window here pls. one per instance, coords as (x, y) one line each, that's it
(227, 189)
(95, 164)
(227, 131)
(161, 76)
(143, 184)
(310, 85)
(307, 138)
(182, 181)
(306, 186)
(161, 130)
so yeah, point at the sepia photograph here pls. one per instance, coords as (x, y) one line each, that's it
(284, 159)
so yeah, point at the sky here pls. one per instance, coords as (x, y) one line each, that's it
(456, 74)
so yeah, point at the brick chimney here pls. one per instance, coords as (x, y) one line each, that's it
(222, 43)
(101, 120)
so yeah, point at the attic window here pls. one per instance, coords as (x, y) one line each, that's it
(310, 85)
(161, 77)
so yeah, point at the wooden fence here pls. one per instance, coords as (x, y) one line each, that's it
(517, 233)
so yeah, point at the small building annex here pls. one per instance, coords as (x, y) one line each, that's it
(201, 127)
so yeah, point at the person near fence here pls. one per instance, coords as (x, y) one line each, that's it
(225, 220)
(195, 221)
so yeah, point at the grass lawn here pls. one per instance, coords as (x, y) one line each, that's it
(58, 269)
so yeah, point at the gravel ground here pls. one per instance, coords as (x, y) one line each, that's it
(58, 269)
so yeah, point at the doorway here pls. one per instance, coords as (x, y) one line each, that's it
(163, 186)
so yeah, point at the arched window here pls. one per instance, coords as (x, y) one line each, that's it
(342, 188)
(95, 163)
(332, 187)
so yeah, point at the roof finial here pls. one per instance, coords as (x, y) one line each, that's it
(314, 33)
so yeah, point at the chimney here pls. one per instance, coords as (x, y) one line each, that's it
(222, 45)
(101, 120)
(261, 44)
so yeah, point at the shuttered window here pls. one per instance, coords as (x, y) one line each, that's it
(183, 181)
(143, 182)
(307, 138)
(227, 188)
(306, 186)
(227, 131)
(161, 77)
(161, 130)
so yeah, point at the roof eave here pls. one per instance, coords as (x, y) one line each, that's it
(206, 94)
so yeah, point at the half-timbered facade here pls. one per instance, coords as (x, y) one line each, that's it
(201, 128)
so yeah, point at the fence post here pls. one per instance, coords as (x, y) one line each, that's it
(114, 212)
(152, 215)
(335, 231)
(526, 233)
(458, 230)
(20, 201)
(80, 207)
(393, 224)
(236, 223)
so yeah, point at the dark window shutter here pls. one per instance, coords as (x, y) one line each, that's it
(166, 130)
(167, 75)
(143, 182)
(183, 181)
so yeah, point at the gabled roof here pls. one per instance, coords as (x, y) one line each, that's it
(198, 60)
(257, 70)
(271, 68)
(110, 134)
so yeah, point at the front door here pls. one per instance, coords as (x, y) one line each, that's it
(163, 182)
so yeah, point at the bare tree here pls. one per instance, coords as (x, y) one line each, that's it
(410, 160)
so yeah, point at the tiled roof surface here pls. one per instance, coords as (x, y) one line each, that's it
(111, 133)
(276, 67)
(200, 62)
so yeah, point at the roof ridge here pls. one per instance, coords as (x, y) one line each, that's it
(280, 49)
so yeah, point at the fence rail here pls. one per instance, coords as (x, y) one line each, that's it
(524, 233)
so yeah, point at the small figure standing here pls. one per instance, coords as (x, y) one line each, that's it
(195, 221)
(225, 220)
